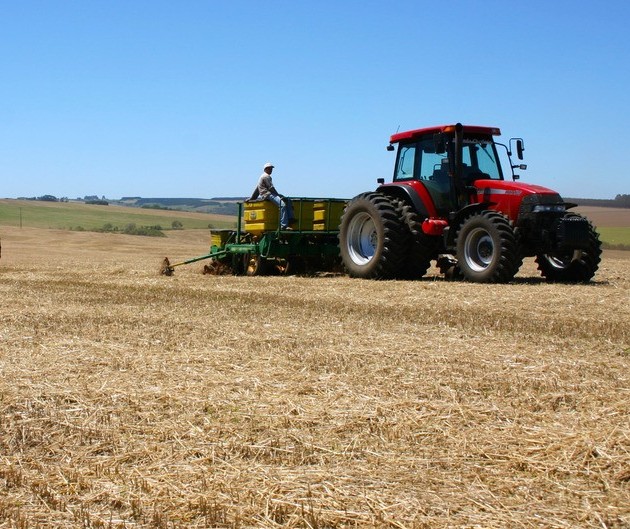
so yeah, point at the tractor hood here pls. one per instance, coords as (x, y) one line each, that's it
(507, 187)
(508, 196)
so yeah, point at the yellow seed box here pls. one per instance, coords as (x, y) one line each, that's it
(327, 214)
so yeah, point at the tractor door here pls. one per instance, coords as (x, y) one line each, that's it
(419, 162)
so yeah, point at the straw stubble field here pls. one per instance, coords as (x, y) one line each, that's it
(133, 400)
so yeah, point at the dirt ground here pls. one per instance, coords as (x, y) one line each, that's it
(130, 399)
(609, 217)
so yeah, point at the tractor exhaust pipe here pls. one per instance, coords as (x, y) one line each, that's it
(459, 140)
(459, 190)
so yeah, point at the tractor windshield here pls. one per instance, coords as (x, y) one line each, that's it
(480, 160)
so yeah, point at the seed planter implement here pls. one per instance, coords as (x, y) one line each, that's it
(259, 246)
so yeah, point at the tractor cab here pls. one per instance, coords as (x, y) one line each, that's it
(445, 163)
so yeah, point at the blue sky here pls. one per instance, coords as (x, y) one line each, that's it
(191, 98)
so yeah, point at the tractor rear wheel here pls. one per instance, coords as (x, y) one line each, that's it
(372, 238)
(487, 250)
(572, 265)
(422, 248)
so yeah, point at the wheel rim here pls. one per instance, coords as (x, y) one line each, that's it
(479, 250)
(561, 262)
(362, 239)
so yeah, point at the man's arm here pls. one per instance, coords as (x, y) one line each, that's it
(255, 194)
(274, 191)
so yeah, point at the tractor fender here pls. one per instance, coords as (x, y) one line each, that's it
(408, 194)
(456, 218)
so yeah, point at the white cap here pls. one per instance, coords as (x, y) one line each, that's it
(267, 165)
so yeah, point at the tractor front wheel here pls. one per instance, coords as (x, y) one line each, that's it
(372, 238)
(487, 250)
(572, 265)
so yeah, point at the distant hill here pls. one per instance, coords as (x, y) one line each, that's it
(80, 216)
(227, 205)
(219, 206)
(620, 201)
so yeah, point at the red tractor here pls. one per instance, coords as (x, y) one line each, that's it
(449, 201)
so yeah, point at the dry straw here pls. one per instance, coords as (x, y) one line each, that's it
(133, 400)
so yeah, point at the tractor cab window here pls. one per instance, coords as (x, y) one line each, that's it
(420, 161)
(481, 160)
(406, 162)
(432, 165)
(434, 174)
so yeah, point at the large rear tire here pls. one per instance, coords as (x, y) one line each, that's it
(372, 239)
(487, 250)
(572, 265)
(422, 248)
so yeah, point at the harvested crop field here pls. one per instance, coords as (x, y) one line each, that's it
(129, 399)
(609, 217)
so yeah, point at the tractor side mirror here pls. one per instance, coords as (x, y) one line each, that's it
(439, 143)
(520, 147)
(390, 147)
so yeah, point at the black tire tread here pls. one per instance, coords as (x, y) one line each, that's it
(510, 259)
(391, 259)
(580, 270)
(422, 248)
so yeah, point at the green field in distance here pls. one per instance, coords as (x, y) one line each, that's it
(71, 215)
(615, 236)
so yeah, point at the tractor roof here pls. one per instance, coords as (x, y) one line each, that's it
(473, 129)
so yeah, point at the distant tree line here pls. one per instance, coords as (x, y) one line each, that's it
(92, 199)
(155, 206)
(131, 229)
(187, 204)
(170, 202)
(201, 205)
(227, 205)
(45, 198)
(620, 201)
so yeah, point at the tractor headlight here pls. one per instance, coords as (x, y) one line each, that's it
(548, 208)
